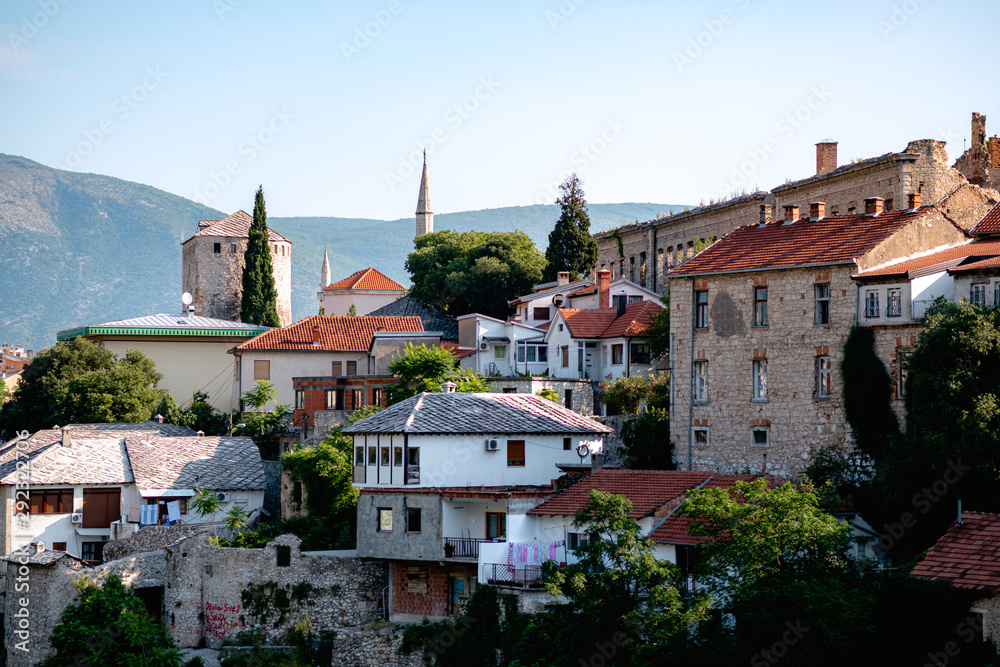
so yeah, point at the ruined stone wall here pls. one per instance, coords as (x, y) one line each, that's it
(845, 190)
(149, 538)
(968, 204)
(372, 647)
(614, 448)
(46, 589)
(930, 232)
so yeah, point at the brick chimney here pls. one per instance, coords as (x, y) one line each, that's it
(874, 205)
(315, 335)
(603, 288)
(791, 212)
(562, 278)
(817, 209)
(826, 157)
(913, 200)
(994, 147)
(765, 213)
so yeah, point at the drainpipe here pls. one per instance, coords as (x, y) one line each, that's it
(857, 303)
(691, 373)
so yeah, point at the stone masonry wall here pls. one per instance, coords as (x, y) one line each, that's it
(375, 647)
(583, 390)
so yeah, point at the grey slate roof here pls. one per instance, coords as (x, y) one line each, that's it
(408, 305)
(211, 462)
(458, 413)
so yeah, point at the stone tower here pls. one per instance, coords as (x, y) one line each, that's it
(425, 216)
(213, 267)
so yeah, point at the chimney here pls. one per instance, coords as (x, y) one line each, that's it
(622, 304)
(791, 212)
(39, 547)
(817, 209)
(873, 205)
(603, 288)
(826, 157)
(159, 419)
(448, 387)
(65, 437)
(913, 200)
(993, 145)
(315, 335)
(562, 278)
(765, 213)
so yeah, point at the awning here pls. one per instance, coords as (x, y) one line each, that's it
(496, 339)
(166, 493)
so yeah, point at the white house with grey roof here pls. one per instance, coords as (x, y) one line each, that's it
(69, 487)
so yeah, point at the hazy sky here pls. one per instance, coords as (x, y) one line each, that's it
(328, 104)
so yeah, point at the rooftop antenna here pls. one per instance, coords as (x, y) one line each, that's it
(959, 512)
(187, 300)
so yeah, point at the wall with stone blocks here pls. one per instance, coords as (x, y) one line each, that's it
(582, 397)
(375, 647)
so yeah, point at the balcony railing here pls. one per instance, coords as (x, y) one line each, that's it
(463, 547)
(504, 574)
(919, 308)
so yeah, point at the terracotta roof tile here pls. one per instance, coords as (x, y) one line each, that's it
(648, 490)
(990, 263)
(605, 322)
(237, 226)
(967, 555)
(945, 259)
(833, 239)
(990, 224)
(336, 333)
(370, 278)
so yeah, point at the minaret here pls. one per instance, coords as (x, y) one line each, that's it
(425, 217)
(324, 272)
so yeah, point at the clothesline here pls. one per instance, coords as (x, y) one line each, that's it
(532, 553)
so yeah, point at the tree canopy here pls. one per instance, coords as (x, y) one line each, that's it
(457, 273)
(79, 382)
(571, 247)
(426, 368)
(259, 304)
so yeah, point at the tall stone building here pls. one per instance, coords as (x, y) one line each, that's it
(425, 216)
(980, 163)
(213, 267)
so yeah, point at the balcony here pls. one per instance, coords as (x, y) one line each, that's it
(919, 308)
(502, 574)
(463, 547)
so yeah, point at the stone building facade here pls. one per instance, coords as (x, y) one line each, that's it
(213, 262)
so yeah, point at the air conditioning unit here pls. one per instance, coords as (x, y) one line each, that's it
(484, 345)
(76, 517)
(223, 496)
(492, 445)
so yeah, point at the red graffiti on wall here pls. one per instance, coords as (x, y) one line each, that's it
(221, 618)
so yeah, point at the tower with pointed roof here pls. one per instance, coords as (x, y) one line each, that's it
(425, 216)
(324, 272)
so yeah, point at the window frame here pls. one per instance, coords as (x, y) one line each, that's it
(410, 513)
(894, 302)
(760, 306)
(337, 369)
(902, 371)
(537, 350)
(501, 525)
(639, 353)
(300, 399)
(44, 497)
(824, 377)
(701, 309)
(760, 380)
(381, 514)
(397, 457)
(695, 431)
(700, 371)
(766, 430)
(500, 352)
(822, 317)
(357, 399)
(261, 369)
(871, 304)
(542, 313)
(352, 368)
(513, 447)
(617, 354)
(977, 288)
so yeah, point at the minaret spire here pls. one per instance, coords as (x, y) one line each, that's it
(425, 216)
(324, 272)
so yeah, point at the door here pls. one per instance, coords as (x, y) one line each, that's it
(496, 525)
(457, 586)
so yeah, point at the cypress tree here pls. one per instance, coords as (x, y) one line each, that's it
(260, 297)
(571, 247)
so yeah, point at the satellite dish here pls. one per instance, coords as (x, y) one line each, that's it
(582, 451)
(187, 299)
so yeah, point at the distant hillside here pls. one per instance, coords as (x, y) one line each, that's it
(83, 248)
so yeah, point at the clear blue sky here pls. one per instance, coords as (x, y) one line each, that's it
(669, 99)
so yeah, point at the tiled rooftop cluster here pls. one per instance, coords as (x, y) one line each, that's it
(338, 333)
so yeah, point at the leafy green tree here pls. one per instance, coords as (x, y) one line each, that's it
(109, 626)
(571, 247)
(199, 415)
(627, 395)
(364, 413)
(77, 381)
(352, 311)
(647, 441)
(236, 519)
(657, 332)
(259, 304)
(425, 368)
(473, 272)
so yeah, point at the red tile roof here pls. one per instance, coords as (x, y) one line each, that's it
(967, 555)
(238, 226)
(459, 352)
(945, 259)
(990, 224)
(991, 263)
(336, 333)
(605, 322)
(370, 278)
(833, 239)
(675, 529)
(648, 490)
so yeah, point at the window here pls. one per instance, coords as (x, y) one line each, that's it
(902, 360)
(500, 352)
(759, 436)
(699, 434)
(384, 520)
(567, 444)
(297, 493)
(639, 353)
(871, 304)
(283, 556)
(101, 507)
(413, 519)
(397, 456)
(631, 268)
(532, 352)
(357, 399)
(618, 300)
(510, 390)
(337, 369)
(376, 397)
(541, 313)
(574, 540)
(635, 298)
(59, 546)
(760, 306)
(701, 381)
(216, 248)
(334, 399)
(760, 379)
(701, 309)
(978, 294)
(372, 453)
(617, 353)
(823, 375)
(413, 456)
(352, 368)
(515, 453)
(92, 551)
(565, 356)
(822, 304)
(300, 399)
(894, 303)
(53, 501)
(385, 456)
(232, 247)
(496, 525)
(568, 399)
(887, 205)
(359, 456)
(261, 369)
